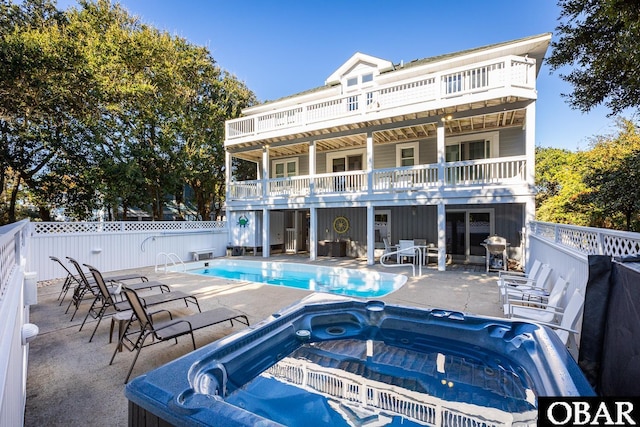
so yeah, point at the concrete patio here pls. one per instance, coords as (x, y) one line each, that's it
(71, 383)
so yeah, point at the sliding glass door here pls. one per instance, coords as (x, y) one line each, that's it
(466, 230)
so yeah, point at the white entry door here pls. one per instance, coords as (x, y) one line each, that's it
(382, 226)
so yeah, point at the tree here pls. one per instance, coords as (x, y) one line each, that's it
(43, 95)
(601, 39)
(559, 185)
(613, 179)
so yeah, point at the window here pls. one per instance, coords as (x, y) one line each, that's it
(353, 82)
(407, 154)
(476, 147)
(284, 168)
(349, 160)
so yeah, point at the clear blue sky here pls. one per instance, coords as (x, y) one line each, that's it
(282, 47)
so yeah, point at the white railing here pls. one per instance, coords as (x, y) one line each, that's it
(486, 171)
(342, 182)
(14, 314)
(501, 171)
(566, 248)
(510, 71)
(588, 240)
(374, 396)
(245, 189)
(290, 186)
(172, 258)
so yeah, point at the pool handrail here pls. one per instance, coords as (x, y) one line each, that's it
(172, 257)
(395, 253)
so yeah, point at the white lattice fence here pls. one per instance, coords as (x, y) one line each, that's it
(113, 246)
(125, 226)
(588, 240)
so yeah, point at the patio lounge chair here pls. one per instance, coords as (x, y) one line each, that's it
(533, 297)
(515, 275)
(508, 285)
(106, 298)
(566, 320)
(169, 329)
(87, 288)
(75, 278)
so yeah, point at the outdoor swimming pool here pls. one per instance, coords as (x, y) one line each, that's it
(341, 281)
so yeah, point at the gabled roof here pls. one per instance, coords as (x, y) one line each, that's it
(358, 58)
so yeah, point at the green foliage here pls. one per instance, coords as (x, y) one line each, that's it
(559, 184)
(599, 187)
(599, 39)
(100, 111)
(613, 179)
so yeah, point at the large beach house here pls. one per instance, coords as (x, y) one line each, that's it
(440, 149)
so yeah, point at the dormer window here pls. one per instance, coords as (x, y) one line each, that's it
(352, 82)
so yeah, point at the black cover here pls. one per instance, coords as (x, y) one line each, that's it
(620, 365)
(594, 317)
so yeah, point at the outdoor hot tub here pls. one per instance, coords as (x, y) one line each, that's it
(339, 361)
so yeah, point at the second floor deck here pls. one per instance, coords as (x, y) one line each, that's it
(507, 173)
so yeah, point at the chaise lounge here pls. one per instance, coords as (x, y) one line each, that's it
(169, 329)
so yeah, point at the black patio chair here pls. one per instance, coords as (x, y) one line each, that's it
(105, 301)
(166, 330)
(87, 288)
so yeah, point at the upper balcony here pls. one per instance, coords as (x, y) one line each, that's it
(482, 84)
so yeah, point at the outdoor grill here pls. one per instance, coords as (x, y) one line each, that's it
(496, 256)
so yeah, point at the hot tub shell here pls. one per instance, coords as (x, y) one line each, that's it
(193, 389)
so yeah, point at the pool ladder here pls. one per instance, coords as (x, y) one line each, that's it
(172, 258)
(388, 255)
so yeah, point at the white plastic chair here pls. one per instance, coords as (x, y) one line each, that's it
(387, 247)
(507, 284)
(563, 321)
(406, 249)
(534, 296)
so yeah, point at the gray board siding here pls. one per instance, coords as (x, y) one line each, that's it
(415, 222)
(511, 140)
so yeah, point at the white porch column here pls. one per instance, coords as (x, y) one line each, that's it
(265, 171)
(313, 233)
(371, 235)
(228, 161)
(530, 150)
(266, 235)
(370, 162)
(530, 143)
(442, 222)
(312, 167)
(442, 237)
(440, 154)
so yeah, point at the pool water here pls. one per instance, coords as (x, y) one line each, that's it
(340, 281)
(354, 382)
